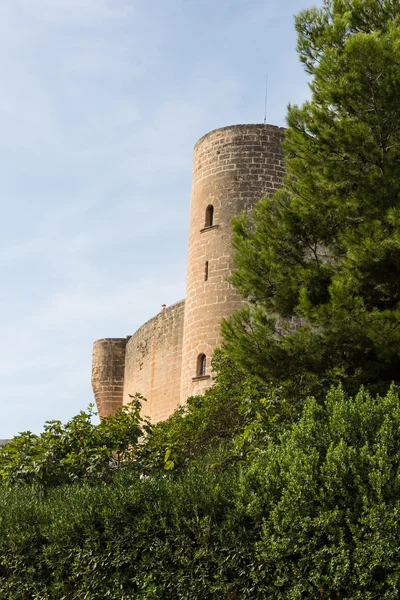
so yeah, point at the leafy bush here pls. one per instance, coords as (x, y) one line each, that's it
(238, 413)
(327, 500)
(313, 514)
(77, 450)
(153, 538)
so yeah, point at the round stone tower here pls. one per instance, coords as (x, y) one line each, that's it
(233, 168)
(108, 368)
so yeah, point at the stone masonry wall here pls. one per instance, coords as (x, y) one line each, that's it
(233, 168)
(153, 362)
(108, 366)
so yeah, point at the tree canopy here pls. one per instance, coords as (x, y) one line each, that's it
(319, 262)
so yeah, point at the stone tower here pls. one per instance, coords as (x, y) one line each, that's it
(108, 369)
(233, 168)
(169, 357)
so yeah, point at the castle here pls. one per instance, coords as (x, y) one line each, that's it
(168, 359)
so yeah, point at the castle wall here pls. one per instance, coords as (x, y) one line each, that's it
(169, 357)
(153, 362)
(108, 366)
(233, 168)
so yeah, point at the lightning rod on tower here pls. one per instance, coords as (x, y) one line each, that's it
(266, 99)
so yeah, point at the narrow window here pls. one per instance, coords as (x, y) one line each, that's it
(201, 365)
(206, 271)
(210, 216)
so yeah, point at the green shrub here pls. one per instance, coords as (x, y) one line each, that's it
(78, 450)
(311, 514)
(327, 500)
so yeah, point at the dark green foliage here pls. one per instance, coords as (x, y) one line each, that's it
(237, 415)
(319, 262)
(141, 539)
(314, 514)
(327, 500)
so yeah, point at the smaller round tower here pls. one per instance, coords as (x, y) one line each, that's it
(233, 168)
(108, 368)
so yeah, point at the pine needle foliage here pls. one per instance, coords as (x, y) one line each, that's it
(319, 262)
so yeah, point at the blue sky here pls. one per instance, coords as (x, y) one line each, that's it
(101, 104)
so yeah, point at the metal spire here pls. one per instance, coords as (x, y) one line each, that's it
(266, 99)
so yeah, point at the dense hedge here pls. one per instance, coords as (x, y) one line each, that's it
(313, 515)
(152, 538)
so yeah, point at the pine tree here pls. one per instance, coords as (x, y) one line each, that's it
(319, 262)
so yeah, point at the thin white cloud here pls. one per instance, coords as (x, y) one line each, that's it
(102, 103)
(91, 12)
